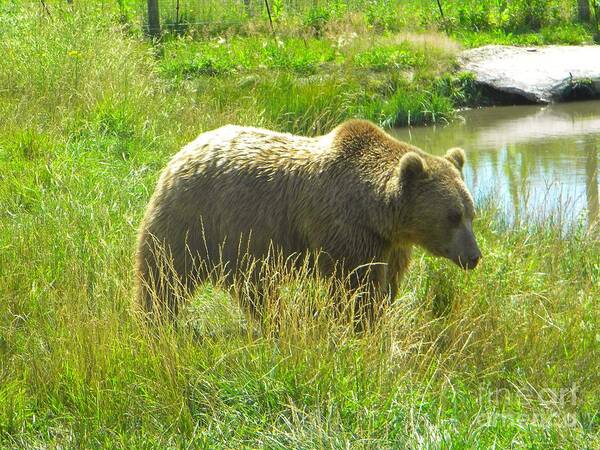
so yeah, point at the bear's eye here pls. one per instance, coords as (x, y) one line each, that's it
(454, 217)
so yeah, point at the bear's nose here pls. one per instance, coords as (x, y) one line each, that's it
(474, 260)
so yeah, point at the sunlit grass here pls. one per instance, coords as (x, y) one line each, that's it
(87, 120)
(455, 351)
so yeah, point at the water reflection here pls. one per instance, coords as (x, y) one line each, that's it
(591, 184)
(535, 161)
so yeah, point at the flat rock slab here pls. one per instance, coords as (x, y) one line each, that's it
(539, 74)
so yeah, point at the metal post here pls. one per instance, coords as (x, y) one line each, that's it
(583, 10)
(269, 13)
(153, 18)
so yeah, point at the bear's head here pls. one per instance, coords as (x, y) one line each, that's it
(437, 208)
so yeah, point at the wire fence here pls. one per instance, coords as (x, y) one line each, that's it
(182, 13)
(217, 15)
(242, 9)
(186, 13)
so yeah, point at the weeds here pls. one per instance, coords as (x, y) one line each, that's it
(471, 359)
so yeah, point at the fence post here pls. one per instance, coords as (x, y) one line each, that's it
(583, 10)
(269, 13)
(444, 23)
(153, 18)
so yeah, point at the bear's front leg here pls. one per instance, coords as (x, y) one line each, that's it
(368, 288)
(397, 265)
(359, 259)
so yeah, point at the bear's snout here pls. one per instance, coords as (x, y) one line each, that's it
(464, 251)
(470, 262)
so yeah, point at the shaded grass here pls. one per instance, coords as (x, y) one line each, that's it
(87, 119)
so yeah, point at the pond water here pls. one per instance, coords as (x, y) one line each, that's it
(532, 161)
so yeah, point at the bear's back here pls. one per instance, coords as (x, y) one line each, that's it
(247, 150)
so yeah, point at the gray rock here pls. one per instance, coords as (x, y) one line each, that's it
(539, 74)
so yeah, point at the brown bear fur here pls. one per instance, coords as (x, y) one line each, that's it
(356, 194)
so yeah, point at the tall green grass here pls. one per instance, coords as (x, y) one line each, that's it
(506, 355)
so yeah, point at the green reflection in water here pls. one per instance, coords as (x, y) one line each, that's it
(534, 161)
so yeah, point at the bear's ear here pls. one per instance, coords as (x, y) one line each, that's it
(457, 157)
(411, 166)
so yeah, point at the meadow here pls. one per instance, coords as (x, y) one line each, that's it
(91, 110)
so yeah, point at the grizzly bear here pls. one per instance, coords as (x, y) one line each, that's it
(357, 195)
